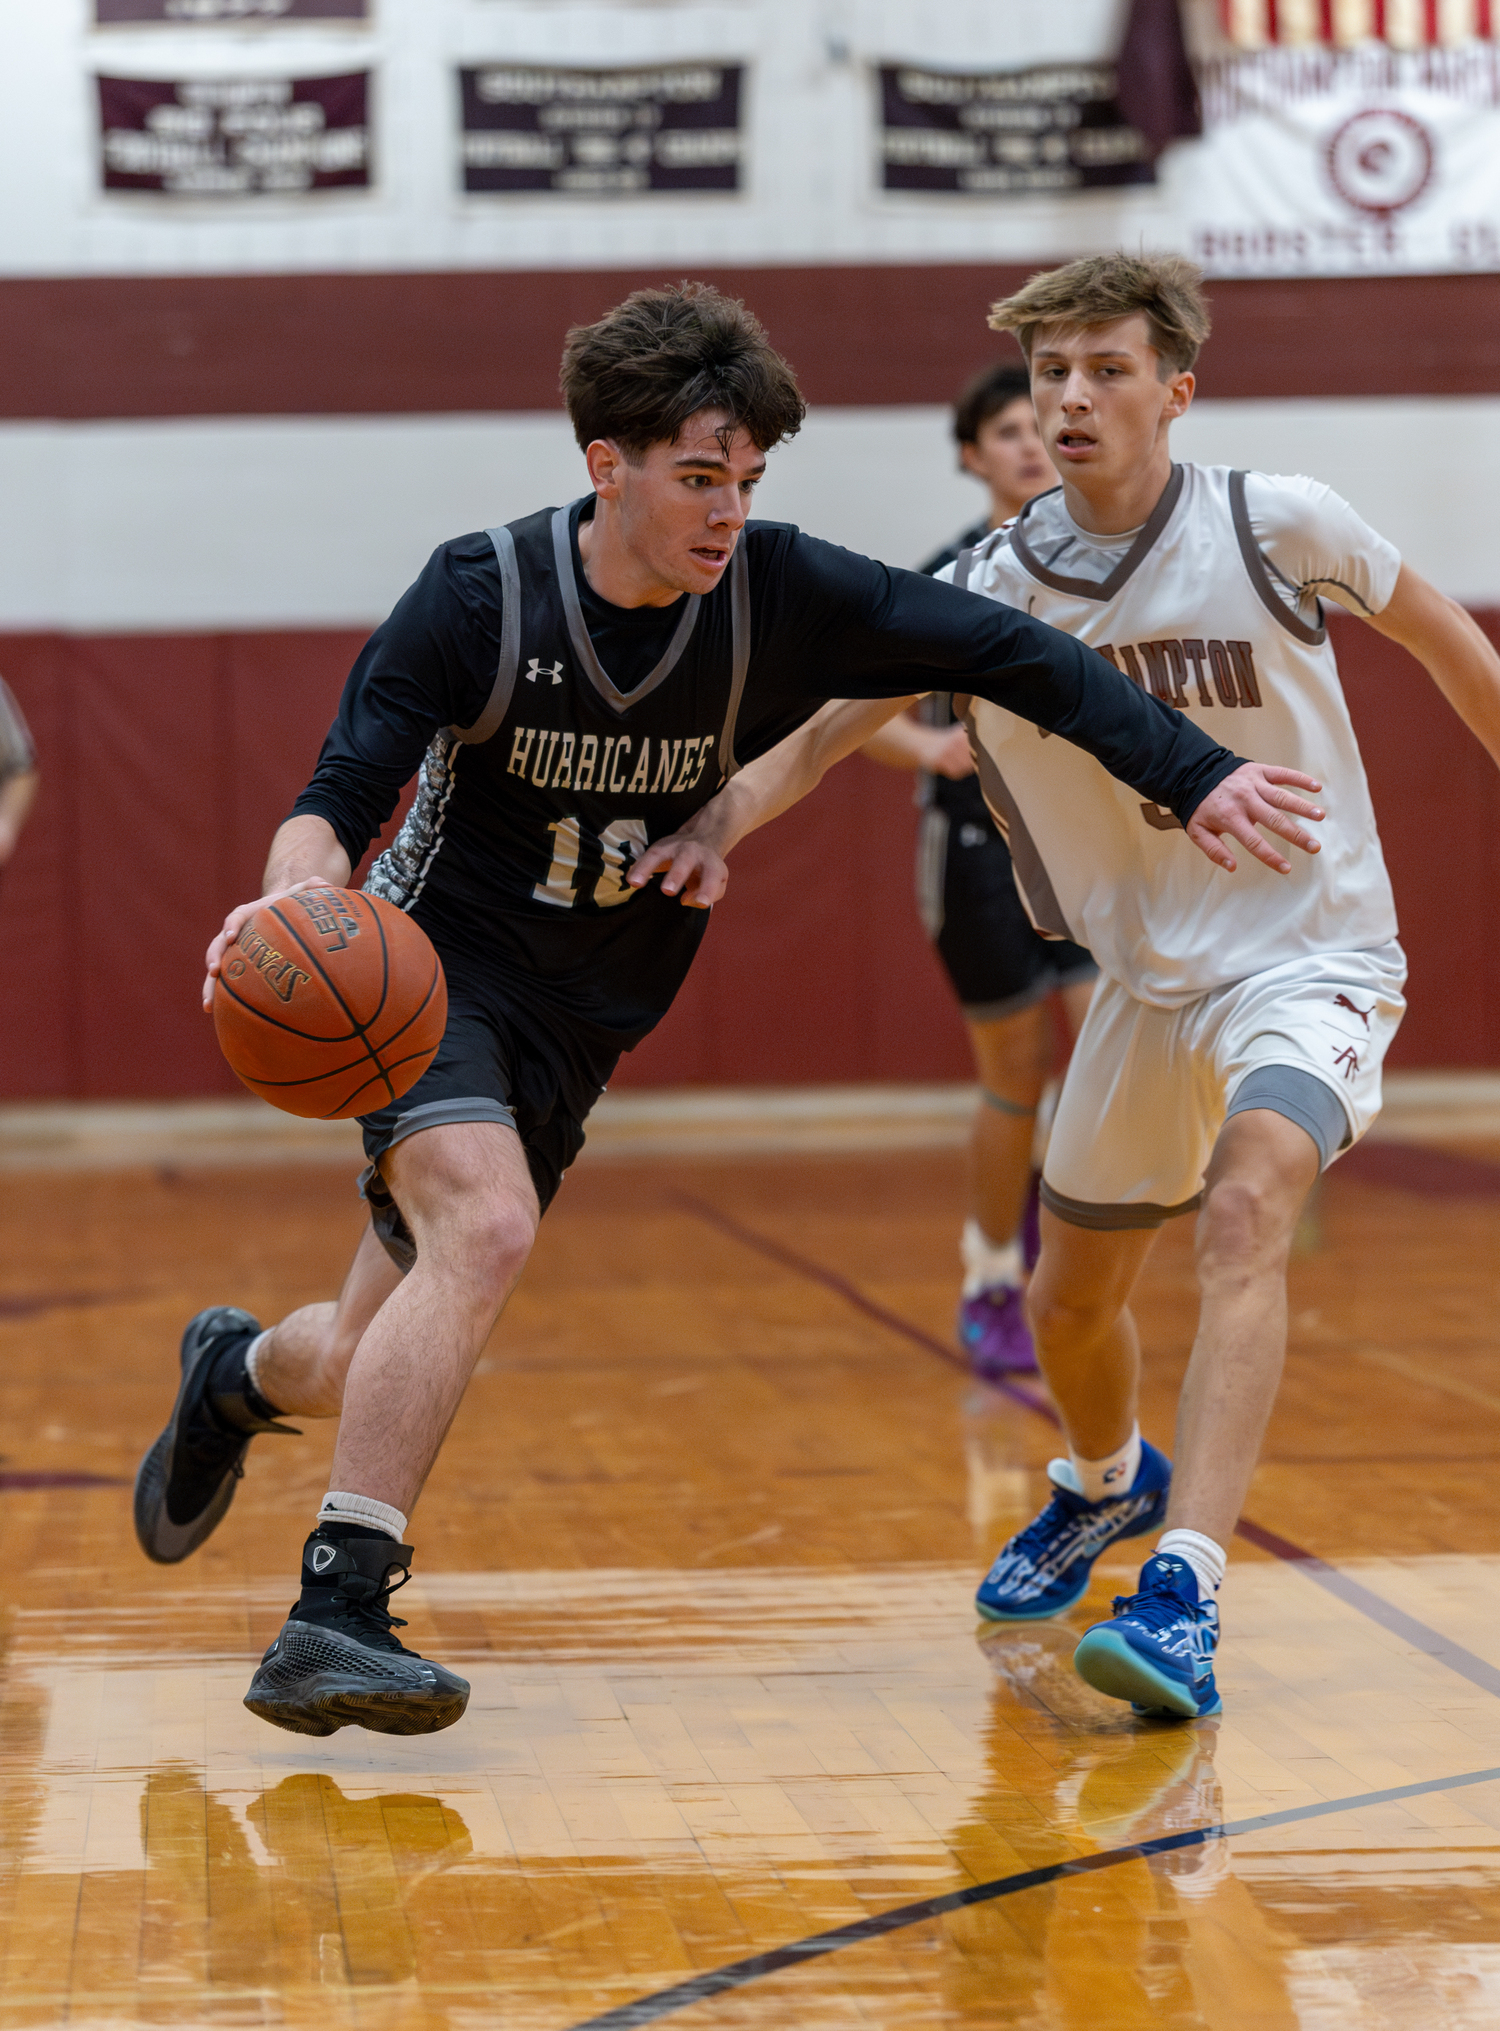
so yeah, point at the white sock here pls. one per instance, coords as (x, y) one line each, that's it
(988, 1263)
(340, 1508)
(252, 1361)
(1113, 1475)
(1201, 1553)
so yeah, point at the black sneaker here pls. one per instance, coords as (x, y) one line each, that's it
(186, 1482)
(338, 1664)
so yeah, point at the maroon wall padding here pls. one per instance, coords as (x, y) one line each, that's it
(257, 345)
(168, 760)
(1437, 801)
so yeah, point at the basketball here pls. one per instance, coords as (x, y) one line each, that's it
(330, 1003)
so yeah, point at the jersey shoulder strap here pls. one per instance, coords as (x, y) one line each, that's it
(986, 547)
(510, 643)
(1259, 568)
(508, 664)
(739, 635)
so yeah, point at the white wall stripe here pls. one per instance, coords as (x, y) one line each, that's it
(321, 522)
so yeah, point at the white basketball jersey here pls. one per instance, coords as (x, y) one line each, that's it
(1191, 614)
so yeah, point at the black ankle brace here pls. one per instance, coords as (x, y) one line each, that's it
(343, 1572)
(358, 1565)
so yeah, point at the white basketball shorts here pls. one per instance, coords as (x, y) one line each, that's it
(1149, 1089)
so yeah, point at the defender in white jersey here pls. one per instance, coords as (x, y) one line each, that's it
(1234, 1045)
(1213, 604)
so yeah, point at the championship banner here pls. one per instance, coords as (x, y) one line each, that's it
(178, 12)
(235, 137)
(1368, 161)
(673, 127)
(1056, 127)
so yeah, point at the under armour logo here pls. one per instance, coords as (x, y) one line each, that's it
(534, 670)
(1364, 1014)
(323, 1556)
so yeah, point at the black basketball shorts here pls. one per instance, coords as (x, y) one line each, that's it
(488, 1068)
(966, 895)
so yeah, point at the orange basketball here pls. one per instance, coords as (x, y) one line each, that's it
(330, 1003)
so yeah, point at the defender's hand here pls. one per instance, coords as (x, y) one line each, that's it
(235, 922)
(1251, 797)
(688, 869)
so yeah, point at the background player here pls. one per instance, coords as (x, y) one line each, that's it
(569, 686)
(18, 772)
(1002, 970)
(1234, 1046)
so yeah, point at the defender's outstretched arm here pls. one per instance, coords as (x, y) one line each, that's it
(1452, 648)
(693, 859)
(1256, 794)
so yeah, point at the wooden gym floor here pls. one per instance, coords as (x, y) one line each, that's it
(704, 1540)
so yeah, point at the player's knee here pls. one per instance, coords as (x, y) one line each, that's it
(1059, 1319)
(1244, 1222)
(492, 1235)
(1015, 1052)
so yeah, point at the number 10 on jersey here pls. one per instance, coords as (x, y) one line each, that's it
(621, 845)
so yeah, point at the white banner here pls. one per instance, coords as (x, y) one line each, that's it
(1348, 162)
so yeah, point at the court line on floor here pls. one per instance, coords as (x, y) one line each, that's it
(700, 1988)
(1463, 1663)
(1375, 1607)
(816, 1272)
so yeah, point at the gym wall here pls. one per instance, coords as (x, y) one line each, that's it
(230, 432)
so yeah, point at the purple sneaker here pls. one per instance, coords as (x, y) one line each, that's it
(992, 1331)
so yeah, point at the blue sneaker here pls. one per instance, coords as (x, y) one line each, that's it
(1045, 1567)
(1158, 1652)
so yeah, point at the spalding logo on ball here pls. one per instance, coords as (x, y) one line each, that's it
(330, 1003)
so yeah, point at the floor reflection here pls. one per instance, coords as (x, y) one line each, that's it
(1171, 1939)
(334, 1889)
(669, 1771)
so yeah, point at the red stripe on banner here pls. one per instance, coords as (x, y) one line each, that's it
(1432, 24)
(1484, 22)
(1379, 22)
(1325, 20)
(1273, 21)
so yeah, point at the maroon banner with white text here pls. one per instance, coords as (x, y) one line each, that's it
(235, 137)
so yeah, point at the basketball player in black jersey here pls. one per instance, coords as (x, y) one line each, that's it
(570, 688)
(1002, 969)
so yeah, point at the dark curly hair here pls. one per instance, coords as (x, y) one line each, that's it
(662, 355)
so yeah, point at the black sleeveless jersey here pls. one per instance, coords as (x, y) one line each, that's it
(558, 735)
(515, 852)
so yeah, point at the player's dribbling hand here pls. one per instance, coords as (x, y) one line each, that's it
(1256, 794)
(688, 868)
(234, 923)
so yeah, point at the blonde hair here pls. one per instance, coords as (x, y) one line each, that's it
(1163, 288)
